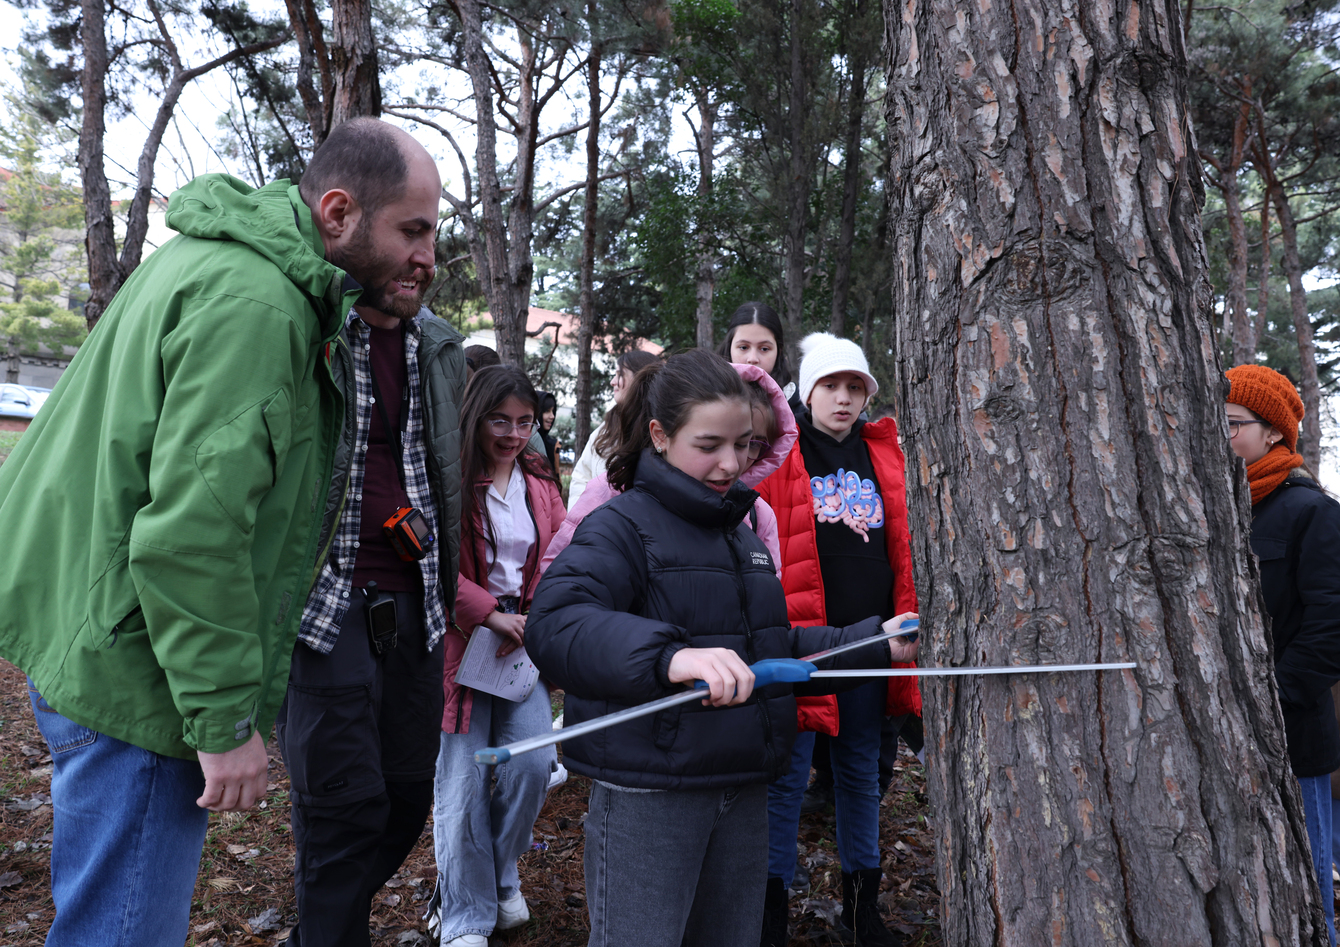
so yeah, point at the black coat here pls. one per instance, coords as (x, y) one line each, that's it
(1296, 537)
(665, 566)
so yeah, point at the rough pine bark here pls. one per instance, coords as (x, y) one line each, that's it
(1072, 493)
(312, 55)
(104, 270)
(353, 54)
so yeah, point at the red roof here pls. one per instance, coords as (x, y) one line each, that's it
(568, 323)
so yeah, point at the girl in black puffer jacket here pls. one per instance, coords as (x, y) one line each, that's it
(660, 587)
(1294, 530)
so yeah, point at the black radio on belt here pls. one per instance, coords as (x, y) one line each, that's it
(381, 620)
(407, 532)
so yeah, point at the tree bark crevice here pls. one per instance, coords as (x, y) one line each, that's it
(1052, 293)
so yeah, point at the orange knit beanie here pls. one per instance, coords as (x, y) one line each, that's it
(1270, 395)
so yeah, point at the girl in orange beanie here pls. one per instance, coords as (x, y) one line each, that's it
(1294, 528)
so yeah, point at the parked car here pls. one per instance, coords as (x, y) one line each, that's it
(21, 401)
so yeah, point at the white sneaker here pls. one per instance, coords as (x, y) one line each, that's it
(557, 778)
(468, 940)
(511, 913)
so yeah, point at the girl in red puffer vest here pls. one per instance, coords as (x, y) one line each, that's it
(842, 528)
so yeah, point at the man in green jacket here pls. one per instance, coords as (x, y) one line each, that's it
(161, 521)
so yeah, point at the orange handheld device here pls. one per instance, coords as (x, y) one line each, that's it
(408, 534)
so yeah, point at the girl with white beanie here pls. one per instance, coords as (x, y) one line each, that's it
(842, 520)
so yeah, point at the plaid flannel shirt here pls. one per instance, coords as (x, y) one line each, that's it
(331, 594)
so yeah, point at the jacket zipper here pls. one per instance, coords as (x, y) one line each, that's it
(749, 649)
(324, 551)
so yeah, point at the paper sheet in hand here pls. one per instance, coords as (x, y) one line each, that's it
(511, 677)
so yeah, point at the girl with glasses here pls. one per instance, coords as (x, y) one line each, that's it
(1294, 530)
(510, 509)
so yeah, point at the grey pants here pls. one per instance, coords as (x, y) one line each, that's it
(684, 868)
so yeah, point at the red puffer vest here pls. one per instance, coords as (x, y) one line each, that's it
(788, 493)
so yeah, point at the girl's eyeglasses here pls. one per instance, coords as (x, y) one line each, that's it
(1235, 426)
(758, 447)
(501, 427)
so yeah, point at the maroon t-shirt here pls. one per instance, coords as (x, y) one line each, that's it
(376, 560)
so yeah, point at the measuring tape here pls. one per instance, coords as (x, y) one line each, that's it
(782, 671)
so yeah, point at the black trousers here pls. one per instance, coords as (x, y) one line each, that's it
(360, 735)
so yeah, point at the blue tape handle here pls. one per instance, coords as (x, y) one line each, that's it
(776, 671)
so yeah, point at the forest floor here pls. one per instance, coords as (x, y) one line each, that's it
(244, 895)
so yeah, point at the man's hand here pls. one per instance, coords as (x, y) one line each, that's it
(509, 626)
(901, 650)
(729, 680)
(236, 779)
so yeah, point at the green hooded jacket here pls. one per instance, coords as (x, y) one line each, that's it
(160, 517)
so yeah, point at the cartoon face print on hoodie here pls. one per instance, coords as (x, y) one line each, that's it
(849, 524)
(847, 497)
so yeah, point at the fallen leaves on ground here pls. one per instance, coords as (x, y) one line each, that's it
(244, 892)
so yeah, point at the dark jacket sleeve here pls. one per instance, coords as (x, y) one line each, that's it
(814, 638)
(583, 633)
(1310, 663)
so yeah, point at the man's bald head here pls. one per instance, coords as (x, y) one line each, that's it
(366, 157)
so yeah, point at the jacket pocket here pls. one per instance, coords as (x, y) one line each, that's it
(1269, 548)
(232, 463)
(665, 728)
(278, 415)
(60, 733)
(331, 744)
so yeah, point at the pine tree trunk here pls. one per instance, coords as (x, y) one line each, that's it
(358, 88)
(1073, 496)
(1235, 298)
(104, 271)
(489, 248)
(1309, 386)
(851, 181)
(705, 277)
(797, 189)
(587, 304)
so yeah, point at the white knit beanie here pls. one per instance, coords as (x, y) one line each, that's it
(823, 354)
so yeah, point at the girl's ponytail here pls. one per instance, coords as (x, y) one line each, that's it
(631, 433)
(668, 392)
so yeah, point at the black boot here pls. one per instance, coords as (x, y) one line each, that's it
(819, 794)
(860, 911)
(774, 915)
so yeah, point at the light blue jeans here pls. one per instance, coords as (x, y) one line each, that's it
(126, 838)
(1317, 813)
(477, 834)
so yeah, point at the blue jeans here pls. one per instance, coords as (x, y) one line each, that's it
(856, 789)
(126, 839)
(785, 795)
(1317, 813)
(478, 834)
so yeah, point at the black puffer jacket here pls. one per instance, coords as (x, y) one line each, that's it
(662, 567)
(1296, 537)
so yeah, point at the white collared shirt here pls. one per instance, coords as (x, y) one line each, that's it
(513, 531)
